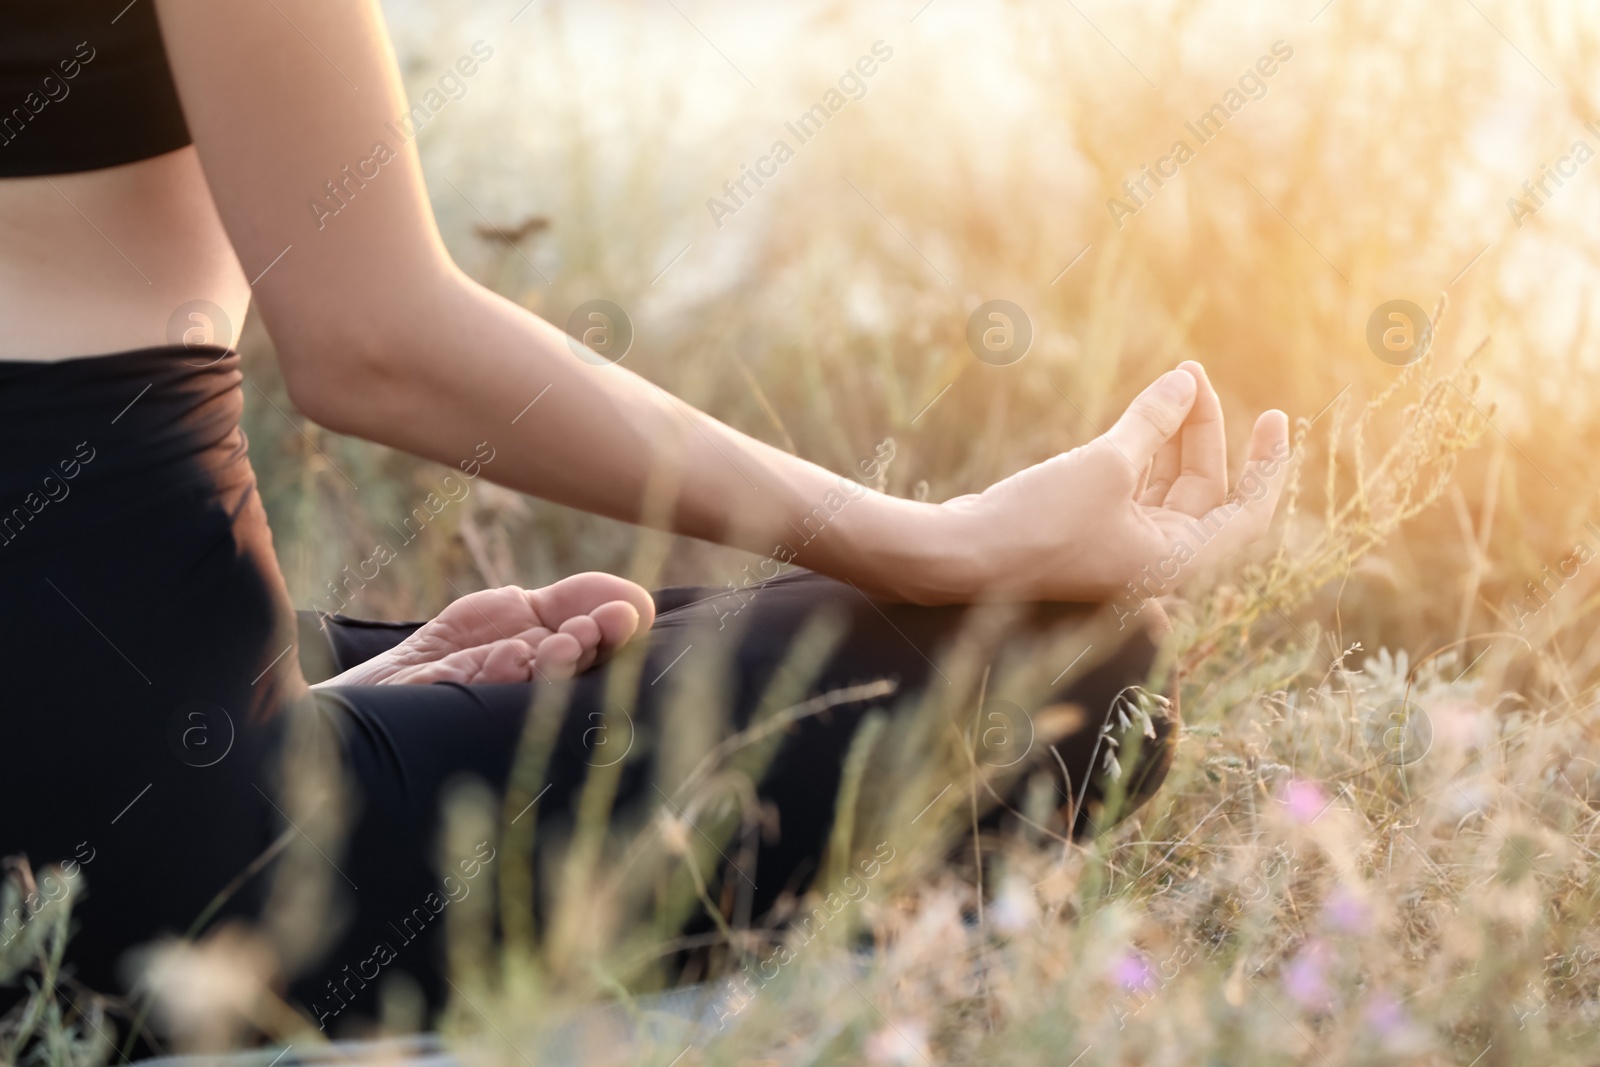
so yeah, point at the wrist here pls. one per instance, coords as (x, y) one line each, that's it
(910, 551)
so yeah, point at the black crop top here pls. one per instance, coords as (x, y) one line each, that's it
(84, 84)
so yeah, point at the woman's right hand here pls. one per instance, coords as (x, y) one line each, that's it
(1145, 503)
(510, 634)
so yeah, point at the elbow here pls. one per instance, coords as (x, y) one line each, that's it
(348, 386)
(359, 365)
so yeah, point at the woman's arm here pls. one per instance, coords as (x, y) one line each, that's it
(380, 335)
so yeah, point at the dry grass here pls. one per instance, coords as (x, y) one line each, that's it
(1306, 889)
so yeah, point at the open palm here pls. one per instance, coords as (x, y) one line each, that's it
(512, 634)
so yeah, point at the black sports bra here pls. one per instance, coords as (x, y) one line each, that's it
(84, 84)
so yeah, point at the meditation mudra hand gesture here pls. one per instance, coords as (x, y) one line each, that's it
(1153, 489)
(516, 635)
(1078, 526)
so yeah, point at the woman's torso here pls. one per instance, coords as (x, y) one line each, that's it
(109, 240)
(114, 260)
(145, 631)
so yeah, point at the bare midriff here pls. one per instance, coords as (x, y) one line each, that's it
(112, 260)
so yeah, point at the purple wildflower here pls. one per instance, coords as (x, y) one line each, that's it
(1305, 800)
(1305, 978)
(1131, 972)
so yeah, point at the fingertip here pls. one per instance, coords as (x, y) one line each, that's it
(1177, 387)
(1195, 370)
(1270, 437)
(638, 597)
(1156, 415)
(560, 645)
(644, 607)
(618, 621)
(558, 656)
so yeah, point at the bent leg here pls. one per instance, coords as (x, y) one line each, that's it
(404, 744)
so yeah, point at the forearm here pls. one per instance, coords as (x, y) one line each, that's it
(473, 368)
(380, 336)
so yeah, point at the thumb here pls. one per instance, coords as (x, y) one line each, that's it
(1154, 417)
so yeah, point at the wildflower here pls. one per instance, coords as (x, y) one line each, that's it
(1384, 1015)
(1305, 800)
(1305, 978)
(1461, 725)
(1130, 971)
(1139, 710)
(1109, 764)
(1346, 911)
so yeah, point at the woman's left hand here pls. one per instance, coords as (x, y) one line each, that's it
(1130, 514)
(512, 634)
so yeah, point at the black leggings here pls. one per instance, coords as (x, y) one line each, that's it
(405, 744)
(160, 805)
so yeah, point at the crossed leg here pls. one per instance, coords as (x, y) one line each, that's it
(404, 744)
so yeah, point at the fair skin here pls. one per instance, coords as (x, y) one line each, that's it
(380, 335)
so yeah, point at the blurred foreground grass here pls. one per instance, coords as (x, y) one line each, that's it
(1377, 845)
